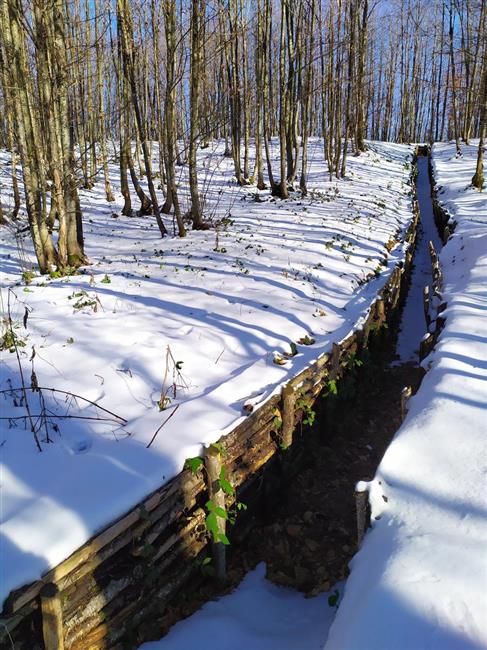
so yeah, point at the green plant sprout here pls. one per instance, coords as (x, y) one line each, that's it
(213, 512)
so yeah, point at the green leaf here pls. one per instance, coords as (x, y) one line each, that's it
(212, 524)
(241, 506)
(223, 539)
(276, 424)
(218, 447)
(210, 506)
(333, 599)
(193, 464)
(294, 349)
(222, 473)
(227, 487)
(106, 279)
(332, 387)
(147, 551)
(206, 561)
(143, 514)
(220, 512)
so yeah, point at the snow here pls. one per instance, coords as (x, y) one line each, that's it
(420, 578)
(283, 270)
(257, 616)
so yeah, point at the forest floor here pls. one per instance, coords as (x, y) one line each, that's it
(191, 325)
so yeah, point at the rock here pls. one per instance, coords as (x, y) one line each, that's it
(293, 530)
(308, 516)
(312, 545)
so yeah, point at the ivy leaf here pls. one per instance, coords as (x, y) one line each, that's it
(193, 464)
(218, 447)
(227, 487)
(332, 387)
(333, 599)
(212, 524)
(220, 512)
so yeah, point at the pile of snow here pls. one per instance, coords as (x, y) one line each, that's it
(199, 320)
(420, 579)
(257, 616)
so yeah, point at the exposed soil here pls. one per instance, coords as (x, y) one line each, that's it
(308, 539)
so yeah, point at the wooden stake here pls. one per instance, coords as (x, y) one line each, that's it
(361, 498)
(446, 235)
(335, 361)
(426, 305)
(288, 401)
(380, 311)
(405, 395)
(52, 618)
(426, 345)
(213, 464)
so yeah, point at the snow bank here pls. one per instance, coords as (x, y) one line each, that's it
(224, 307)
(420, 579)
(257, 616)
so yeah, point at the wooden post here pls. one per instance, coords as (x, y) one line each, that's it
(435, 267)
(426, 345)
(213, 465)
(335, 361)
(52, 618)
(426, 305)
(405, 395)
(380, 311)
(288, 401)
(446, 235)
(361, 500)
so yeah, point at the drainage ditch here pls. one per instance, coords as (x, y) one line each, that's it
(304, 525)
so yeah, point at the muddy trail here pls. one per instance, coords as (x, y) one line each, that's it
(304, 525)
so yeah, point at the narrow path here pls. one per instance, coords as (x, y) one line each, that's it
(412, 326)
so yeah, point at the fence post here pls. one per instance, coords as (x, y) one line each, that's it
(361, 500)
(52, 618)
(213, 465)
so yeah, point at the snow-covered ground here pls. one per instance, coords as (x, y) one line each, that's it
(420, 579)
(195, 323)
(257, 616)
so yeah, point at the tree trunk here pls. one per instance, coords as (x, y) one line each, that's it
(197, 16)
